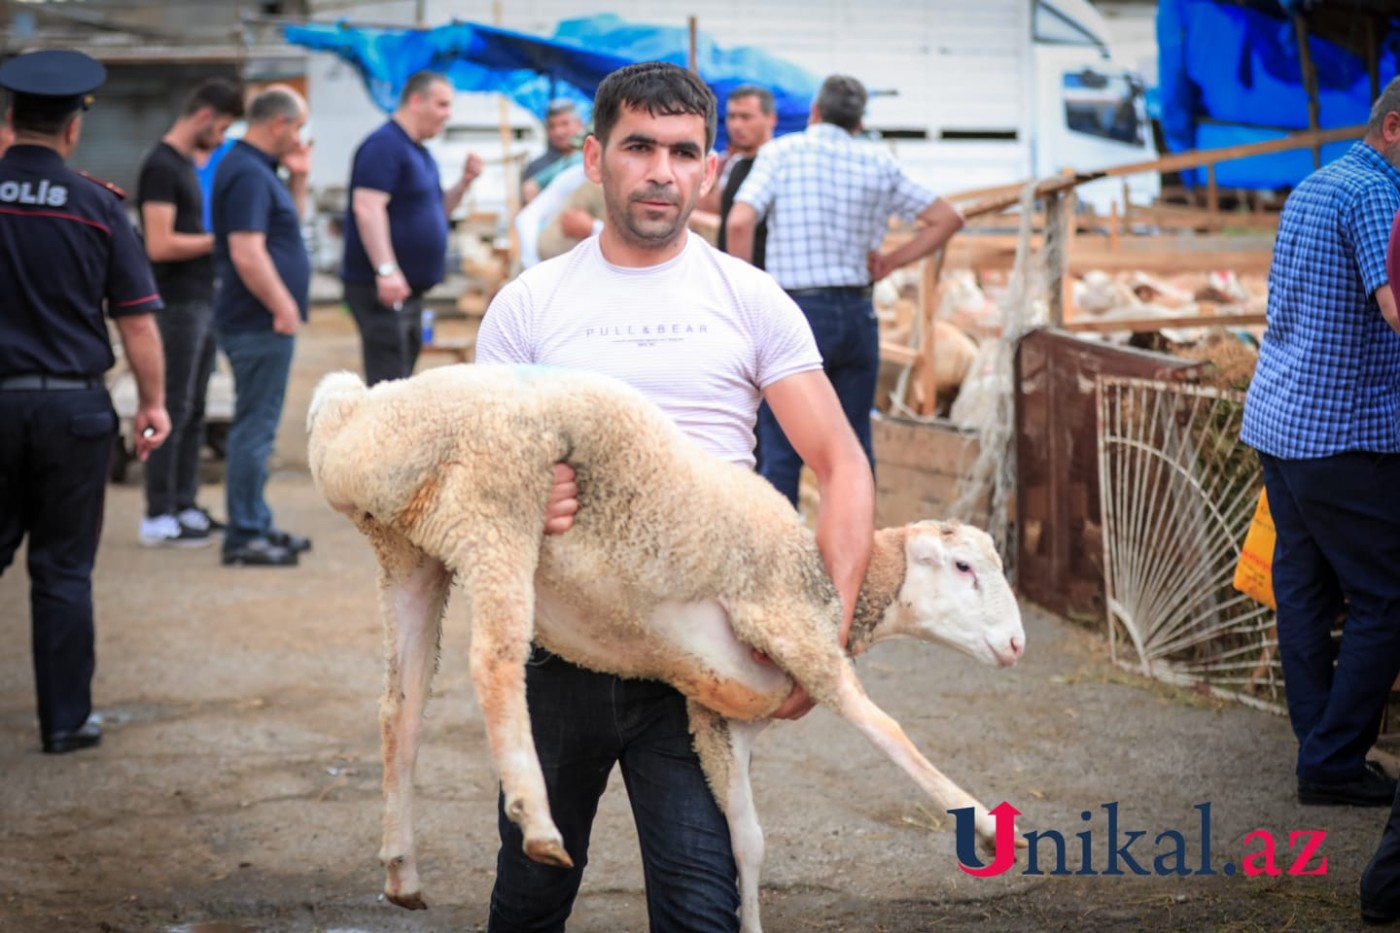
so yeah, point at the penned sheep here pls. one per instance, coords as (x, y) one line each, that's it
(676, 566)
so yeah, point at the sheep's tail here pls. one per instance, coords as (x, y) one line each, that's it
(336, 398)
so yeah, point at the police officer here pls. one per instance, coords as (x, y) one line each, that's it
(67, 252)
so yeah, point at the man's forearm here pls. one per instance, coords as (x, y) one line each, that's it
(453, 196)
(846, 531)
(373, 223)
(142, 346)
(739, 231)
(179, 247)
(259, 275)
(1385, 297)
(937, 231)
(297, 186)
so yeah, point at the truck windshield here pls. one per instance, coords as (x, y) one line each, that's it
(1105, 105)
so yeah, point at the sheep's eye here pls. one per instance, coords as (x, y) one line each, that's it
(963, 566)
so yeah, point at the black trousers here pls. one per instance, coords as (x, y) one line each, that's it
(1338, 524)
(53, 481)
(389, 339)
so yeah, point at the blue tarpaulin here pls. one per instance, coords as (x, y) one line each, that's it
(531, 70)
(1231, 74)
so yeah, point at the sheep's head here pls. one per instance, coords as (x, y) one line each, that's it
(955, 592)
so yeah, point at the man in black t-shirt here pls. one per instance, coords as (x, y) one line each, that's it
(750, 118)
(181, 253)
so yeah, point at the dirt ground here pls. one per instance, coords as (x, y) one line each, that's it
(237, 789)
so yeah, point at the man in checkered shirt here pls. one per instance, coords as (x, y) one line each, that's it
(1323, 411)
(828, 198)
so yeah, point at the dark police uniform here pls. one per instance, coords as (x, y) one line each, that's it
(67, 250)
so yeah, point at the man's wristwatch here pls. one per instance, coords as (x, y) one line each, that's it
(386, 269)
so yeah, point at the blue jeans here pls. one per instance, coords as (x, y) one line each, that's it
(583, 723)
(1338, 525)
(262, 363)
(848, 337)
(172, 470)
(53, 483)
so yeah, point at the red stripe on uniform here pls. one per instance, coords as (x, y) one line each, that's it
(138, 301)
(61, 216)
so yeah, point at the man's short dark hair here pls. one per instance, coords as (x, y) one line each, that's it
(419, 82)
(765, 96)
(659, 88)
(841, 101)
(41, 122)
(223, 96)
(272, 103)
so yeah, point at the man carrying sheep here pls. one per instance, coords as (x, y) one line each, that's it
(707, 337)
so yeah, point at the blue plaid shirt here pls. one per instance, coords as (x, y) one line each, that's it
(1328, 378)
(828, 198)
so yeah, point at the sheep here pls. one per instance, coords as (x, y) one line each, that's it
(677, 566)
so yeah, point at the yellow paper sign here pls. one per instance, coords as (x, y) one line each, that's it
(1254, 574)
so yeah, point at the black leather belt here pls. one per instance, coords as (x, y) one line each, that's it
(855, 291)
(35, 382)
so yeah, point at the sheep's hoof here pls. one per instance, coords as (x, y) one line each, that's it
(412, 901)
(548, 852)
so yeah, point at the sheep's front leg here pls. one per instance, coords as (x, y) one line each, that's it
(852, 704)
(503, 606)
(725, 748)
(413, 594)
(826, 673)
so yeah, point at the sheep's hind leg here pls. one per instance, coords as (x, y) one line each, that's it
(413, 594)
(499, 579)
(725, 747)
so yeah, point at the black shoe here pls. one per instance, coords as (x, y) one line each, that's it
(1379, 915)
(60, 743)
(199, 519)
(293, 543)
(1372, 789)
(260, 552)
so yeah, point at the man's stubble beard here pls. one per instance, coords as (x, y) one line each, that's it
(633, 233)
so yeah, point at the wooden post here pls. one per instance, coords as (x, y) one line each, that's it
(1300, 29)
(508, 166)
(1057, 208)
(1373, 65)
(690, 61)
(1113, 222)
(1070, 231)
(928, 314)
(1212, 198)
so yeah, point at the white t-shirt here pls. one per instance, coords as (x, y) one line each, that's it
(702, 334)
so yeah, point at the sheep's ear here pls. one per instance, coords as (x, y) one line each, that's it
(927, 549)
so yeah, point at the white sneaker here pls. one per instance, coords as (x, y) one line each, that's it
(167, 531)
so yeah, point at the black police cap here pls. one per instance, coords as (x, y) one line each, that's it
(51, 82)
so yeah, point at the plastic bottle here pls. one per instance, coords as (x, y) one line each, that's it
(427, 321)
